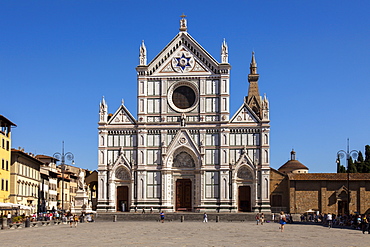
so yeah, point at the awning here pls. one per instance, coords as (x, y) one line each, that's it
(22, 207)
(4, 205)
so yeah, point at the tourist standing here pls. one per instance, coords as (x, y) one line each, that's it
(282, 221)
(205, 218)
(9, 217)
(257, 218)
(329, 219)
(162, 216)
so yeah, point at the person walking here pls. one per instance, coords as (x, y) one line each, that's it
(70, 219)
(364, 224)
(75, 220)
(205, 218)
(162, 216)
(262, 218)
(282, 221)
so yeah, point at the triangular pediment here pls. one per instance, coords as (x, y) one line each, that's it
(182, 139)
(244, 115)
(245, 160)
(182, 142)
(183, 55)
(122, 116)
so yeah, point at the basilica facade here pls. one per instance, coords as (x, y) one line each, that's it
(185, 151)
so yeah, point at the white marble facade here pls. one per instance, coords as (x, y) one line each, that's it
(184, 151)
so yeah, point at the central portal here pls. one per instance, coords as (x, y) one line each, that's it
(183, 195)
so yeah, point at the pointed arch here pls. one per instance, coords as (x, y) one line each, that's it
(184, 157)
(121, 163)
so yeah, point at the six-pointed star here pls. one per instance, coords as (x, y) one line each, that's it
(183, 61)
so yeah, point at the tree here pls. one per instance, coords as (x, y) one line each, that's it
(360, 165)
(367, 159)
(340, 168)
(351, 166)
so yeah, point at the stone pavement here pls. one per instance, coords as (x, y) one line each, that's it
(183, 234)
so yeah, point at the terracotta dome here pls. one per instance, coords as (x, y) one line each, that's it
(293, 166)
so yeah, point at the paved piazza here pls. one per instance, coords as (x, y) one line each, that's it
(182, 234)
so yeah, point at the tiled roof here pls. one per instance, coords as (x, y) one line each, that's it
(293, 165)
(328, 176)
(4, 119)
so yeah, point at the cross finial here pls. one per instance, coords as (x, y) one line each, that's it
(183, 26)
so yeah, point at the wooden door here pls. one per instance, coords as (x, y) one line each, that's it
(183, 195)
(244, 198)
(122, 199)
(342, 207)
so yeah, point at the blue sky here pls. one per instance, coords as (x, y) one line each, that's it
(58, 58)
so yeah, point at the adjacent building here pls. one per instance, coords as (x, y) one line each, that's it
(186, 151)
(25, 179)
(48, 184)
(5, 157)
(296, 191)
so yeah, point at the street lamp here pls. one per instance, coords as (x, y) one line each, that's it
(62, 157)
(347, 154)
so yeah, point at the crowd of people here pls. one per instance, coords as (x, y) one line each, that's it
(64, 217)
(355, 221)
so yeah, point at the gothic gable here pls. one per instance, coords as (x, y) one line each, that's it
(183, 55)
(121, 168)
(245, 160)
(180, 144)
(122, 116)
(244, 115)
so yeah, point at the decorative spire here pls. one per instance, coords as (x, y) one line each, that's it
(253, 65)
(292, 155)
(224, 52)
(183, 27)
(254, 98)
(142, 56)
(103, 111)
(122, 102)
(103, 101)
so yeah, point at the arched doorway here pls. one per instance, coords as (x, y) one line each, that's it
(245, 180)
(183, 161)
(122, 181)
(244, 199)
(122, 199)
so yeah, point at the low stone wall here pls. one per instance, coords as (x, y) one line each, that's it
(224, 217)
